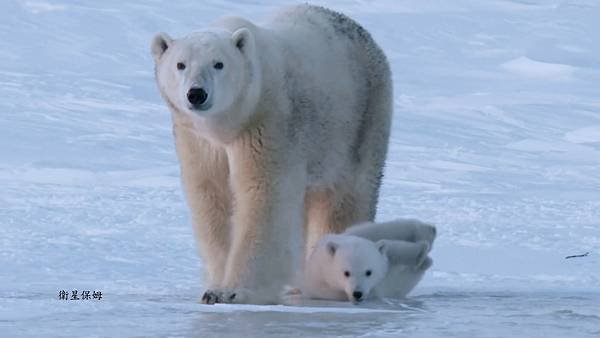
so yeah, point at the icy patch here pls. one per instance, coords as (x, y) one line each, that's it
(527, 67)
(155, 177)
(538, 146)
(572, 49)
(584, 135)
(573, 151)
(455, 166)
(316, 307)
(38, 7)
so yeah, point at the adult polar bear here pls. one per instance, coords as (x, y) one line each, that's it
(281, 130)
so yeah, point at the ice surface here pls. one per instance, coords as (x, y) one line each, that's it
(542, 70)
(496, 139)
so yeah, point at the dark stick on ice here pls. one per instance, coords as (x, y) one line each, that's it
(576, 256)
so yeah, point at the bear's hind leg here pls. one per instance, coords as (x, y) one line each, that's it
(330, 211)
(409, 230)
(405, 253)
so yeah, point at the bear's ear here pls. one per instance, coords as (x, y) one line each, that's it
(160, 43)
(381, 247)
(331, 248)
(242, 39)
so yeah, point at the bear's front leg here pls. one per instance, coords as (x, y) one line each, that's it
(266, 234)
(205, 175)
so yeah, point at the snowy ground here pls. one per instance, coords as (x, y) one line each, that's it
(496, 139)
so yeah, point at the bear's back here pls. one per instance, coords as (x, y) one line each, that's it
(332, 24)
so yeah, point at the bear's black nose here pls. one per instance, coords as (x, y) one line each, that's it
(357, 295)
(197, 96)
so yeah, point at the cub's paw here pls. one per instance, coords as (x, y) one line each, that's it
(427, 263)
(424, 248)
(426, 232)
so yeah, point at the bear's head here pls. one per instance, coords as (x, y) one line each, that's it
(357, 265)
(211, 76)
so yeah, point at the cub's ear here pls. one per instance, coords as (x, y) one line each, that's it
(382, 247)
(331, 248)
(243, 40)
(160, 43)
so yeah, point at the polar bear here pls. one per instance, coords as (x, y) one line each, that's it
(387, 260)
(281, 130)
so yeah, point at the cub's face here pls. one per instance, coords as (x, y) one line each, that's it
(208, 75)
(357, 267)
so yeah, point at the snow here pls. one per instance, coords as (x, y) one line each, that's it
(496, 139)
(542, 70)
(589, 134)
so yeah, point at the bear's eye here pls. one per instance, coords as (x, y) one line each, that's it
(347, 273)
(368, 273)
(218, 65)
(180, 65)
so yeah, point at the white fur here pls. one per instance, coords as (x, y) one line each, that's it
(339, 263)
(326, 267)
(292, 137)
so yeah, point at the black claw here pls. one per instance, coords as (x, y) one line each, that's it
(211, 297)
(208, 297)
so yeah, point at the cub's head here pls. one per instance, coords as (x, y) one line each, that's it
(210, 75)
(357, 265)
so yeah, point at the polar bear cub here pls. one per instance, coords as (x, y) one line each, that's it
(384, 259)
